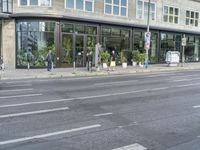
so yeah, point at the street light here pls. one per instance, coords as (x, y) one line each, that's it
(147, 39)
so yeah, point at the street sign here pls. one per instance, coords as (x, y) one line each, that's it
(183, 41)
(147, 39)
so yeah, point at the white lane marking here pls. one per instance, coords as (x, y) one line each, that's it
(48, 134)
(197, 106)
(16, 90)
(135, 146)
(12, 82)
(19, 85)
(82, 98)
(117, 82)
(105, 114)
(186, 79)
(16, 96)
(33, 112)
(185, 85)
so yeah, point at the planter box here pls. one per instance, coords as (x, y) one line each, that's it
(124, 65)
(105, 65)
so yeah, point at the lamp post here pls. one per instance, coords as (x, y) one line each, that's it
(147, 39)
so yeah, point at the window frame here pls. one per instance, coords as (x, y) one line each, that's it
(28, 4)
(168, 14)
(143, 10)
(84, 1)
(114, 5)
(194, 19)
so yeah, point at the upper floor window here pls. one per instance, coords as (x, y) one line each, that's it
(170, 14)
(6, 6)
(116, 7)
(46, 3)
(192, 18)
(142, 10)
(85, 5)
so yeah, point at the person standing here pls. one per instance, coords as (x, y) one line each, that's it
(113, 61)
(89, 61)
(49, 60)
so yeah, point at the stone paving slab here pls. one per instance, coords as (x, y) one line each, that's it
(69, 72)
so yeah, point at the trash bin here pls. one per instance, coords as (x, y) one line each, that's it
(172, 58)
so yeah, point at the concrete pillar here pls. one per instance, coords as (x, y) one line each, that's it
(8, 43)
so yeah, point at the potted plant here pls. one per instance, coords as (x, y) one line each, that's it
(141, 59)
(135, 57)
(123, 60)
(104, 58)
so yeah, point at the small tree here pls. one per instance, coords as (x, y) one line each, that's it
(105, 56)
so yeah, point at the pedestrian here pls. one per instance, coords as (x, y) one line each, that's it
(29, 58)
(112, 61)
(49, 59)
(89, 61)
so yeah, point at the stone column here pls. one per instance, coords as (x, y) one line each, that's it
(9, 43)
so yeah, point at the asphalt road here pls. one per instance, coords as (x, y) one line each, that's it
(146, 111)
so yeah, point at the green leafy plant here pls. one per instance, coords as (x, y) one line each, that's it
(135, 56)
(104, 56)
(141, 58)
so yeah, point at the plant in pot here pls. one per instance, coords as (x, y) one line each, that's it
(135, 57)
(104, 58)
(141, 59)
(123, 60)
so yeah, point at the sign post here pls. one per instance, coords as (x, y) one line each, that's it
(183, 43)
(147, 38)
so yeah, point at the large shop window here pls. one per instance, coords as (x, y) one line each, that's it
(142, 10)
(118, 40)
(138, 38)
(169, 42)
(116, 7)
(192, 49)
(192, 18)
(45, 3)
(34, 38)
(85, 5)
(171, 14)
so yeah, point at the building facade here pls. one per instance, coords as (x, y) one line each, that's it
(72, 27)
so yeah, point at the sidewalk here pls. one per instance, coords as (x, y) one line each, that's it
(69, 72)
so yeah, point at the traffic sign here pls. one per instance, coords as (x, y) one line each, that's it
(183, 41)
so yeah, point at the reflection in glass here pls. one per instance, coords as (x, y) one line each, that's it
(67, 49)
(70, 4)
(35, 42)
(79, 4)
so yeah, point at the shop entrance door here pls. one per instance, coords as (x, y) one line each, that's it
(66, 52)
(74, 47)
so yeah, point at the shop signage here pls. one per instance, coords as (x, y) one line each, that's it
(147, 39)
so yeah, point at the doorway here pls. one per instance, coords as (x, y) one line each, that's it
(74, 47)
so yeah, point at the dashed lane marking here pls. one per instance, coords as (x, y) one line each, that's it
(48, 135)
(16, 90)
(135, 146)
(17, 96)
(100, 115)
(33, 112)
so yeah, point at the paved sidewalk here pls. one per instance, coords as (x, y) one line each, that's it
(69, 72)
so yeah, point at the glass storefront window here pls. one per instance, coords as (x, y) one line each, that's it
(169, 42)
(116, 39)
(79, 29)
(67, 28)
(36, 41)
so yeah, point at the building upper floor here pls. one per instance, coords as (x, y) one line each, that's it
(165, 13)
